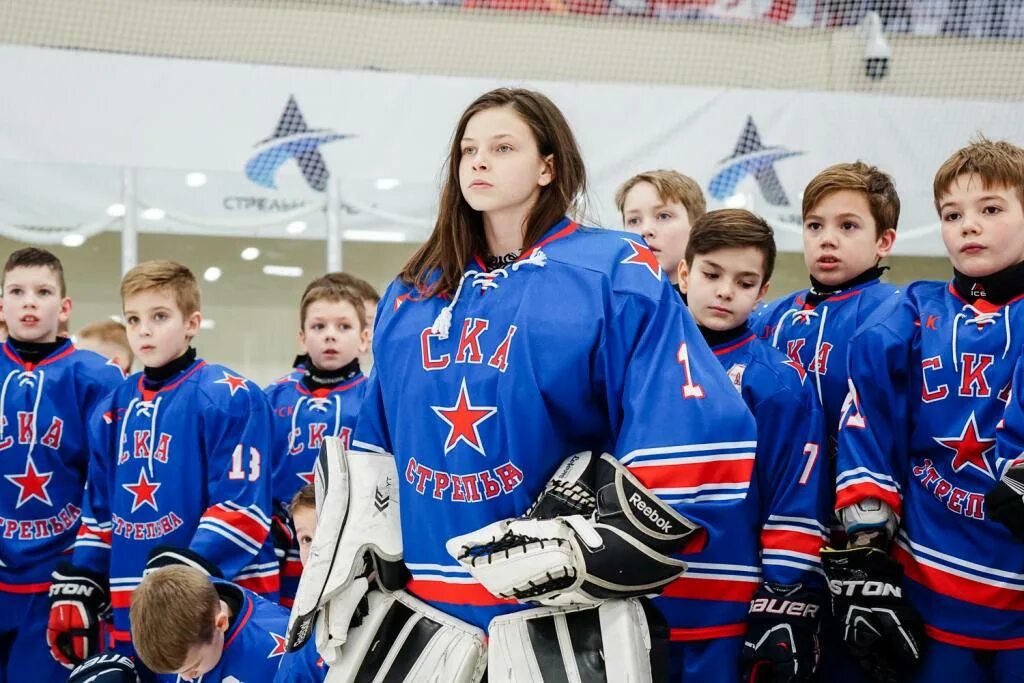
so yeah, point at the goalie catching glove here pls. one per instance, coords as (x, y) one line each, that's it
(595, 533)
(880, 629)
(781, 645)
(79, 601)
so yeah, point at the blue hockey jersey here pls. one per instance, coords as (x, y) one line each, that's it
(302, 418)
(45, 456)
(580, 344)
(305, 665)
(929, 382)
(253, 644)
(185, 466)
(777, 533)
(817, 337)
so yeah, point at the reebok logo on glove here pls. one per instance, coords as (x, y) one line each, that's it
(637, 501)
(871, 589)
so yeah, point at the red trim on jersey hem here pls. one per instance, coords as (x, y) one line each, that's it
(718, 590)
(117, 636)
(971, 642)
(707, 632)
(240, 622)
(806, 542)
(456, 593)
(24, 588)
(735, 345)
(261, 585)
(148, 394)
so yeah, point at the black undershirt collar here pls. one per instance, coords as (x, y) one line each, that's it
(301, 362)
(232, 597)
(318, 378)
(997, 288)
(819, 292)
(154, 378)
(35, 352)
(717, 338)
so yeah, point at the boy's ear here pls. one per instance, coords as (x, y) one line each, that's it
(364, 340)
(681, 274)
(885, 243)
(760, 295)
(302, 341)
(192, 324)
(223, 621)
(65, 310)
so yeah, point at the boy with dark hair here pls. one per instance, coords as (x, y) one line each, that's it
(47, 387)
(933, 536)
(768, 555)
(324, 401)
(184, 623)
(180, 467)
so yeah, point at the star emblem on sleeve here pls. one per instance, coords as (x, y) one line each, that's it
(642, 256)
(464, 420)
(31, 484)
(234, 383)
(279, 646)
(143, 490)
(969, 448)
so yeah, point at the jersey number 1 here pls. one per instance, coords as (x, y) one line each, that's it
(237, 470)
(690, 390)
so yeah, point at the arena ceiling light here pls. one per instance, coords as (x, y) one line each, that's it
(115, 210)
(373, 236)
(207, 324)
(212, 274)
(296, 227)
(282, 271)
(154, 214)
(250, 254)
(387, 183)
(195, 179)
(73, 239)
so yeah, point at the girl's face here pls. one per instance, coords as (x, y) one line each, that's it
(500, 169)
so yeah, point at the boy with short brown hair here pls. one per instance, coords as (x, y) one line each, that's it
(933, 510)
(323, 401)
(187, 624)
(661, 206)
(770, 555)
(181, 459)
(47, 388)
(109, 339)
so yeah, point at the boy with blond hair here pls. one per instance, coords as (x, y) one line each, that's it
(662, 206)
(109, 339)
(324, 401)
(186, 624)
(768, 554)
(180, 467)
(47, 387)
(931, 585)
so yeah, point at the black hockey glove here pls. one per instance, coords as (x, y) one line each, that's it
(105, 668)
(1005, 502)
(879, 627)
(168, 555)
(282, 531)
(79, 601)
(781, 644)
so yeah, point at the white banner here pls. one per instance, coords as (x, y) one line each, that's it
(265, 140)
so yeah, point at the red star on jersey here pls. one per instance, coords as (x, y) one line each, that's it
(143, 490)
(969, 448)
(464, 420)
(279, 643)
(306, 477)
(234, 383)
(796, 366)
(32, 484)
(642, 256)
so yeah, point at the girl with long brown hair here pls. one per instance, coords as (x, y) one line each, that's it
(515, 337)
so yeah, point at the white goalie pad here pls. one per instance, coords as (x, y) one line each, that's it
(404, 640)
(620, 641)
(357, 514)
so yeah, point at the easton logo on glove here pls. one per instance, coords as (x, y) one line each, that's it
(868, 589)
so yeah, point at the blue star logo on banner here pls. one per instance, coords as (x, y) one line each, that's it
(750, 157)
(292, 139)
